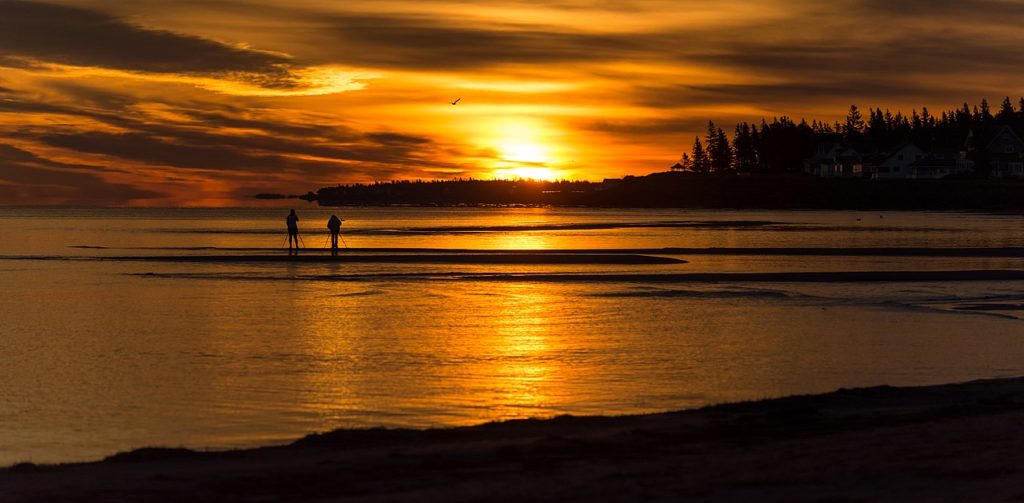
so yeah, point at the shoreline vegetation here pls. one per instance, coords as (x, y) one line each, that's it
(677, 189)
(963, 159)
(951, 442)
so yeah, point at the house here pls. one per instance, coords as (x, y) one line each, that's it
(897, 164)
(942, 163)
(835, 161)
(1004, 154)
(823, 160)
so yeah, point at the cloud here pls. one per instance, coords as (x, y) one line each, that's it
(26, 178)
(221, 140)
(82, 37)
(987, 11)
(645, 127)
(57, 38)
(435, 42)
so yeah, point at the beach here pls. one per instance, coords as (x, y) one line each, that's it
(957, 442)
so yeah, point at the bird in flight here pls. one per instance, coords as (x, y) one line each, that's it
(456, 102)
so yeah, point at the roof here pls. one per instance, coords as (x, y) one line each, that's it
(999, 132)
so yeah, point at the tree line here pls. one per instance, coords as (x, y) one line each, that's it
(782, 144)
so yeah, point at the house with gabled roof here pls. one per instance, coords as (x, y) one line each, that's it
(896, 164)
(835, 161)
(1004, 154)
(942, 163)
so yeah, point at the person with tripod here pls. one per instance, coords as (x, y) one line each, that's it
(292, 220)
(334, 225)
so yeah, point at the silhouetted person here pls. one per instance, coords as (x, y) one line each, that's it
(293, 231)
(334, 225)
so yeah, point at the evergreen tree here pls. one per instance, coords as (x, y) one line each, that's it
(877, 130)
(986, 112)
(721, 153)
(711, 142)
(743, 147)
(685, 162)
(963, 117)
(854, 124)
(927, 120)
(1006, 111)
(755, 142)
(701, 163)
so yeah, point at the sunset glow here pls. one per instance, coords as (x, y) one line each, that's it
(209, 103)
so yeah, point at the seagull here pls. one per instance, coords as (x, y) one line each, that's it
(456, 102)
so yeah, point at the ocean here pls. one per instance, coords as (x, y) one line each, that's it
(127, 328)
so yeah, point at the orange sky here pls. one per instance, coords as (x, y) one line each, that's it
(189, 102)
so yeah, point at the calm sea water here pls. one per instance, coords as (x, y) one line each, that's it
(99, 356)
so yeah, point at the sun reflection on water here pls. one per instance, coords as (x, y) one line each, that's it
(523, 346)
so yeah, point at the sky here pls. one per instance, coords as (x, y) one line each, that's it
(205, 103)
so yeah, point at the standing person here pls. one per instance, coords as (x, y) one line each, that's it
(334, 225)
(292, 220)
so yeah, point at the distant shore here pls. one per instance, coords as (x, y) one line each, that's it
(954, 442)
(691, 190)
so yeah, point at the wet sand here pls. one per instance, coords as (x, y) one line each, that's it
(988, 252)
(418, 258)
(960, 442)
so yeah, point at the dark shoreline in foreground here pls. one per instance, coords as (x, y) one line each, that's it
(952, 442)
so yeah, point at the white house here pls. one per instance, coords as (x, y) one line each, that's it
(897, 164)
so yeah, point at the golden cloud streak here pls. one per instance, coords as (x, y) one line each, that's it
(309, 81)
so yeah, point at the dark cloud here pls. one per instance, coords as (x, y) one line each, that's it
(26, 178)
(76, 36)
(775, 96)
(224, 139)
(239, 154)
(433, 43)
(896, 58)
(397, 139)
(229, 117)
(959, 11)
(649, 127)
(816, 52)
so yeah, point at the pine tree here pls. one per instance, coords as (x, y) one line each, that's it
(854, 124)
(685, 162)
(877, 130)
(711, 142)
(1006, 111)
(986, 112)
(701, 163)
(755, 141)
(743, 148)
(721, 153)
(963, 117)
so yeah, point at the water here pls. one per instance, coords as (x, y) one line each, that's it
(100, 356)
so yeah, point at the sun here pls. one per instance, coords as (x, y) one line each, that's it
(528, 173)
(519, 159)
(523, 152)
